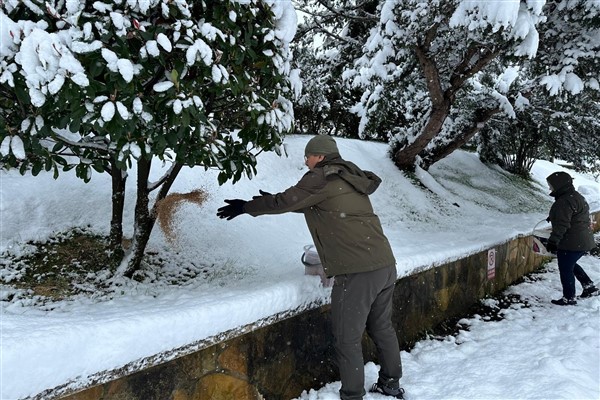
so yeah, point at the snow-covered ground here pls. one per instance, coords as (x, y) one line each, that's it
(538, 351)
(233, 273)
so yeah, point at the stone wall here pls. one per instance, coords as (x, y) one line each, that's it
(280, 360)
(426, 299)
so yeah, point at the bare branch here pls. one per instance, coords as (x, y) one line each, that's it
(466, 69)
(153, 185)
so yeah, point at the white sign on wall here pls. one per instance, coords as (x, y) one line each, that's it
(491, 264)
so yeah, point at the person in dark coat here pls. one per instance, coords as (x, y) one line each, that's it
(571, 236)
(334, 198)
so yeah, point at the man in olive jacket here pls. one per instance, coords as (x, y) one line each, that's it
(334, 198)
(571, 236)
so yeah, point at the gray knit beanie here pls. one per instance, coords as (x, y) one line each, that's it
(321, 145)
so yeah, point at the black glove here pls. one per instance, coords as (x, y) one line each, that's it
(262, 193)
(233, 208)
(551, 247)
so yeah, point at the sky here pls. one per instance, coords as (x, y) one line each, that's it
(47, 344)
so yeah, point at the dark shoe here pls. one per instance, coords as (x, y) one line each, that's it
(564, 302)
(590, 291)
(386, 390)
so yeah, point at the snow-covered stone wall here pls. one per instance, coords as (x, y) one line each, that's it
(281, 357)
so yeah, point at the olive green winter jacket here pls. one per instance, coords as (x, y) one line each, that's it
(335, 202)
(570, 219)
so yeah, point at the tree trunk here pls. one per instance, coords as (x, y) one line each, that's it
(144, 216)
(115, 243)
(434, 155)
(441, 101)
(143, 221)
(474, 60)
(406, 158)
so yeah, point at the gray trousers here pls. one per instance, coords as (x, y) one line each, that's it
(359, 301)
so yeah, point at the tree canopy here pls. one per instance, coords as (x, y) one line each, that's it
(432, 74)
(99, 86)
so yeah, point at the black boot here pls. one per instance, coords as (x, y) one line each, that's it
(383, 388)
(590, 291)
(564, 302)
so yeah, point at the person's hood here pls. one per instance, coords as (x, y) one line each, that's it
(364, 182)
(560, 182)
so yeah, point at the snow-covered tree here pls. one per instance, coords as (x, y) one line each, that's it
(435, 62)
(98, 86)
(568, 58)
(513, 144)
(329, 39)
(560, 117)
(578, 142)
(566, 67)
(547, 127)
